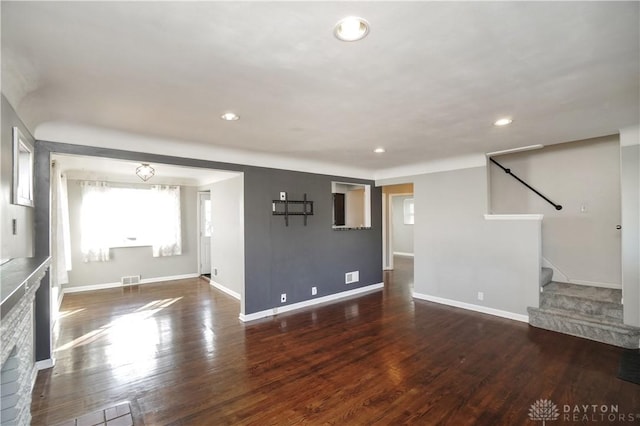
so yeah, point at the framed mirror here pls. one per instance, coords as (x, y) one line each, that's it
(22, 170)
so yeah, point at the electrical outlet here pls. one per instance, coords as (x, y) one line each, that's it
(283, 196)
(283, 297)
(314, 291)
(480, 295)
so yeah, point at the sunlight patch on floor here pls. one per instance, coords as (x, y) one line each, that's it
(123, 326)
(65, 314)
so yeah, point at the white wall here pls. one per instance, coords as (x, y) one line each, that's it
(583, 245)
(459, 253)
(227, 238)
(402, 233)
(354, 206)
(630, 181)
(128, 261)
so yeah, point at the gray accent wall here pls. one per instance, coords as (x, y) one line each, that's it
(402, 233)
(127, 261)
(584, 175)
(291, 260)
(459, 253)
(21, 244)
(25, 242)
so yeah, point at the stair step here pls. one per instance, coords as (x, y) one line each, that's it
(546, 275)
(588, 327)
(598, 303)
(585, 292)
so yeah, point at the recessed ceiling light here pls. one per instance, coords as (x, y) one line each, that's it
(230, 116)
(503, 122)
(379, 150)
(351, 28)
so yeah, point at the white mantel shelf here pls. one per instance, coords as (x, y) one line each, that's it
(513, 216)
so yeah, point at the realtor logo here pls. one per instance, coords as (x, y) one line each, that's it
(545, 410)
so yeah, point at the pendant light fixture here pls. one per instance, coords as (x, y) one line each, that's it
(145, 171)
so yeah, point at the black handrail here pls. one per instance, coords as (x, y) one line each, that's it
(508, 171)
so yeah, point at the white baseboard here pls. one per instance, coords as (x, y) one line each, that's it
(294, 306)
(169, 278)
(401, 253)
(558, 275)
(224, 289)
(80, 288)
(34, 376)
(472, 307)
(60, 297)
(45, 363)
(561, 277)
(587, 283)
(104, 286)
(596, 284)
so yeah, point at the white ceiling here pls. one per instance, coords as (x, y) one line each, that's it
(426, 83)
(112, 170)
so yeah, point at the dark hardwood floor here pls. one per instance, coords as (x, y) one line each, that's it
(178, 353)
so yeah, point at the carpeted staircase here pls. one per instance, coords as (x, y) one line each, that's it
(591, 312)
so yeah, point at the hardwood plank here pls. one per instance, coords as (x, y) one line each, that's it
(179, 354)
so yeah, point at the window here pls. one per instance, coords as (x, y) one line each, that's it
(408, 208)
(207, 218)
(127, 217)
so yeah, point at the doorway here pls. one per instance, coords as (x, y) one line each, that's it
(204, 233)
(397, 237)
(397, 223)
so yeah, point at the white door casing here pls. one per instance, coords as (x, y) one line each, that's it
(204, 231)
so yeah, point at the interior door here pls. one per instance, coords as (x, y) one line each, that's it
(205, 233)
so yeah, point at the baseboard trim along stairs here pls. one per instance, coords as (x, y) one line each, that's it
(593, 313)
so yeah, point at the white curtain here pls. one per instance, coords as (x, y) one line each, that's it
(166, 218)
(95, 239)
(61, 243)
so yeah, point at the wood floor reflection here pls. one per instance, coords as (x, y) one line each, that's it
(178, 353)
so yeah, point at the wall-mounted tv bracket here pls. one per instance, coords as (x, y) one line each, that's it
(285, 207)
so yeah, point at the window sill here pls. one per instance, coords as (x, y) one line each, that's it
(347, 228)
(131, 245)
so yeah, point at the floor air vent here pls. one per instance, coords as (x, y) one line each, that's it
(130, 280)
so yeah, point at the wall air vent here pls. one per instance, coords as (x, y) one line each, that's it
(352, 277)
(130, 280)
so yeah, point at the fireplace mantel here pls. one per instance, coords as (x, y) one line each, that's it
(17, 276)
(19, 281)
